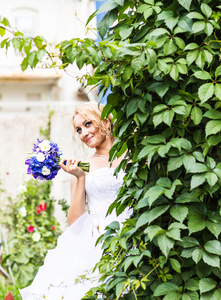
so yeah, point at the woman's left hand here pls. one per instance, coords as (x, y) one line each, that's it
(71, 167)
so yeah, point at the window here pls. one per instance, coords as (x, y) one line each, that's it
(25, 20)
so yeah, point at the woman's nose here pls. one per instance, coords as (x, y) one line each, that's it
(84, 132)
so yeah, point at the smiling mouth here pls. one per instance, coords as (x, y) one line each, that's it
(87, 140)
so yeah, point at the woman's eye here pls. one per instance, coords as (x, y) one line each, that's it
(88, 123)
(78, 130)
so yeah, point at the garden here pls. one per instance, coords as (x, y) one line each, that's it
(161, 61)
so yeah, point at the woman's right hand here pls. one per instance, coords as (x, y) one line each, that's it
(71, 167)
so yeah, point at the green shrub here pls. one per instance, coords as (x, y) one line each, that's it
(32, 229)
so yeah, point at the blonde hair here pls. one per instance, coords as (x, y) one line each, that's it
(93, 111)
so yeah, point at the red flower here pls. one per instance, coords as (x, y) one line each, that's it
(31, 228)
(38, 210)
(43, 206)
(53, 227)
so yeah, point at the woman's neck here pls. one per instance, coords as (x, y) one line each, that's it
(104, 148)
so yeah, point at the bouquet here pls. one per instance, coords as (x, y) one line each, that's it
(44, 161)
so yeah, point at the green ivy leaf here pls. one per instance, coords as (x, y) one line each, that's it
(179, 212)
(196, 115)
(156, 212)
(175, 265)
(206, 91)
(196, 223)
(213, 247)
(206, 9)
(165, 288)
(185, 3)
(211, 259)
(213, 127)
(206, 285)
(154, 193)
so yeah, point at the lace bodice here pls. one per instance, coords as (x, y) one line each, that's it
(101, 189)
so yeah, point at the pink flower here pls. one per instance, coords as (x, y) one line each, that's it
(31, 228)
(53, 227)
(43, 206)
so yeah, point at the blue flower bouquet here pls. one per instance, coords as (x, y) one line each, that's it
(44, 161)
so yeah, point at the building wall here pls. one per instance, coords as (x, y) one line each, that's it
(26, 97)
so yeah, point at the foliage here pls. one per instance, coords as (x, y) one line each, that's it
(32, 229)
(162, 62)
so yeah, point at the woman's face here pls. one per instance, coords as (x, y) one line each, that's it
(88, 131)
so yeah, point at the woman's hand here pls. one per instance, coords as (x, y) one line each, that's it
(71, 167)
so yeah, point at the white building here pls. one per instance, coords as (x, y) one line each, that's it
(26, 97)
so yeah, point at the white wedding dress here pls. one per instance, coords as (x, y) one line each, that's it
(75, 254)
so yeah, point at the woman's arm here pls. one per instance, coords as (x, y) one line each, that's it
(77, 207)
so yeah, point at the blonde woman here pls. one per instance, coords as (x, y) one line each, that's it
(76, 254)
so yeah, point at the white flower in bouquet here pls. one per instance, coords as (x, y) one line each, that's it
(40, 157)
(36, 236)
(45, 171)
(45, 145)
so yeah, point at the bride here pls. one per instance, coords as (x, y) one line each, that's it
(61, 276)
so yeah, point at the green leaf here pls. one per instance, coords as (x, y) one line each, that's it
(154, 193)
(206, 91)
(196, 223)
(192, 285)
(174, 163)
(174, 72)
(214, 140)
(198, 26)
(175, 265)
(168, 117)
(153, 231)
(191, 46)
(188, 161)
(206, 285)
(218, 90)
(197, 255)
(218, 71)
(159, 108)
(40, 54)
(179, 212)
(127, 73)
(213, 247)
(155, 139)
(198, 168)
(165, 288)
(156, 212)
(2, 31)
(191, 56)
(206, 9)
(185, 3)
(197, 180)
(202, 75)
(211, 259)
(196, 115)
(108, 19)
(213, 114)
(142, 220)
(195, 15)
(208, 29)
(107, 6)
(213, 127)
(165, 243)
(132, 107)
(211, 178)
